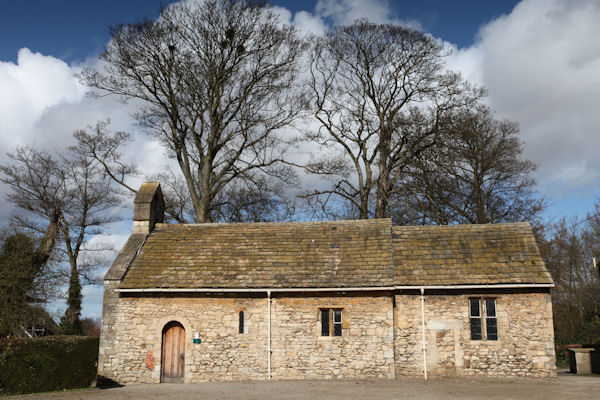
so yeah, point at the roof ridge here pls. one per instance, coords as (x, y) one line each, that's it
(456, 226)
(344, 221)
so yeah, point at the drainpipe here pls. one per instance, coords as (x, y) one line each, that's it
(423, 332)
(269, 334)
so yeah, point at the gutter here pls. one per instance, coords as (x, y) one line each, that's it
(252, 290)
(338, 289)
(484, 286)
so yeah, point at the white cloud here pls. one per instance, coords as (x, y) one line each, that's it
(45, 103)
(345, 12)
(467, 61)
(30, 88)
(284, 14)
(306, 22)
(541, 65)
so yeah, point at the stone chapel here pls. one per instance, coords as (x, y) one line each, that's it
(319, 300)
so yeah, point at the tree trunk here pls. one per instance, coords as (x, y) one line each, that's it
(48, 241)
(203, 212)
(381, 205)
(71, 323)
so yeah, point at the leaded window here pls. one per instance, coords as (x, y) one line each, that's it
(482, 315)
(337, 322)
(331, 322)
(491, 323)
(241, 323)
(475, 306)
(324, 322)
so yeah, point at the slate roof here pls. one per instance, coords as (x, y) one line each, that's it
(123, 259)
(333, 254)
(467, 254)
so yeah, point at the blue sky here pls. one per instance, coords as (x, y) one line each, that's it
(535, 57)
(76, 30)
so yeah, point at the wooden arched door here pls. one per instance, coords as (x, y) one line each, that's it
(173, 352)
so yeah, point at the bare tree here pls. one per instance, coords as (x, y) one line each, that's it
(178, 202)
(91, 326)
(80, 189)
(568, 247)
(244, 203)
(379, 93)
(241, 201)
(100, 144)
(475, 174)
(216, 81)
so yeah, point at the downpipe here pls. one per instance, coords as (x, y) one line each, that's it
(269, 335)
(423, 333)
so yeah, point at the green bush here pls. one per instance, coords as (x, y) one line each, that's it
(47, 364)
(562, 358)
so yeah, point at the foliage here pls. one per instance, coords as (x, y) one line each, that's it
(70, 323)
(75, 186)
(17, 274)
(47, 364)
(22, 264)
(562, 357)
(91, 326)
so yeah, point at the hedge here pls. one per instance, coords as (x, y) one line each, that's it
(47, 364)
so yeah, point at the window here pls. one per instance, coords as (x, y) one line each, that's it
(337, 322)
(475, 319)
(331, 322)
(241, 324)
(324, 322)
(491, 324)
(477, 309)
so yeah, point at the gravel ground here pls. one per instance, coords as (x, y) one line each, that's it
(567, 386)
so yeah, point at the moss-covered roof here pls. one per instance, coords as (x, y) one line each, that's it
(261, 255)
(334, 254)
(467, 254)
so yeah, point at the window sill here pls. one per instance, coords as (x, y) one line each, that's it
(330, 337)
(487, 342)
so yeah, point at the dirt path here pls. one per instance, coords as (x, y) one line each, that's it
(566, 387)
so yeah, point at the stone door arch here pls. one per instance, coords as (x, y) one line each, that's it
(173, 353)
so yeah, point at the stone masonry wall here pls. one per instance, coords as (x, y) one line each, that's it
(525, 345)
(407, 336)
(130, 348)
(364, 350)
(224, 354)
(108, 336)
(378, 340)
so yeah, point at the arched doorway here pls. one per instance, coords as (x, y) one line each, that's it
(173, 352)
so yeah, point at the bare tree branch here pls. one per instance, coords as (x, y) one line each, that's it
(379, 92)
(218, 82)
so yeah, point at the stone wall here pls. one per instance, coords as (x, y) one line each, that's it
(525, 345)
(223, 354)
(107, 356)
(407, 336)
(378, 340)
(364, 350)
(130, 349)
